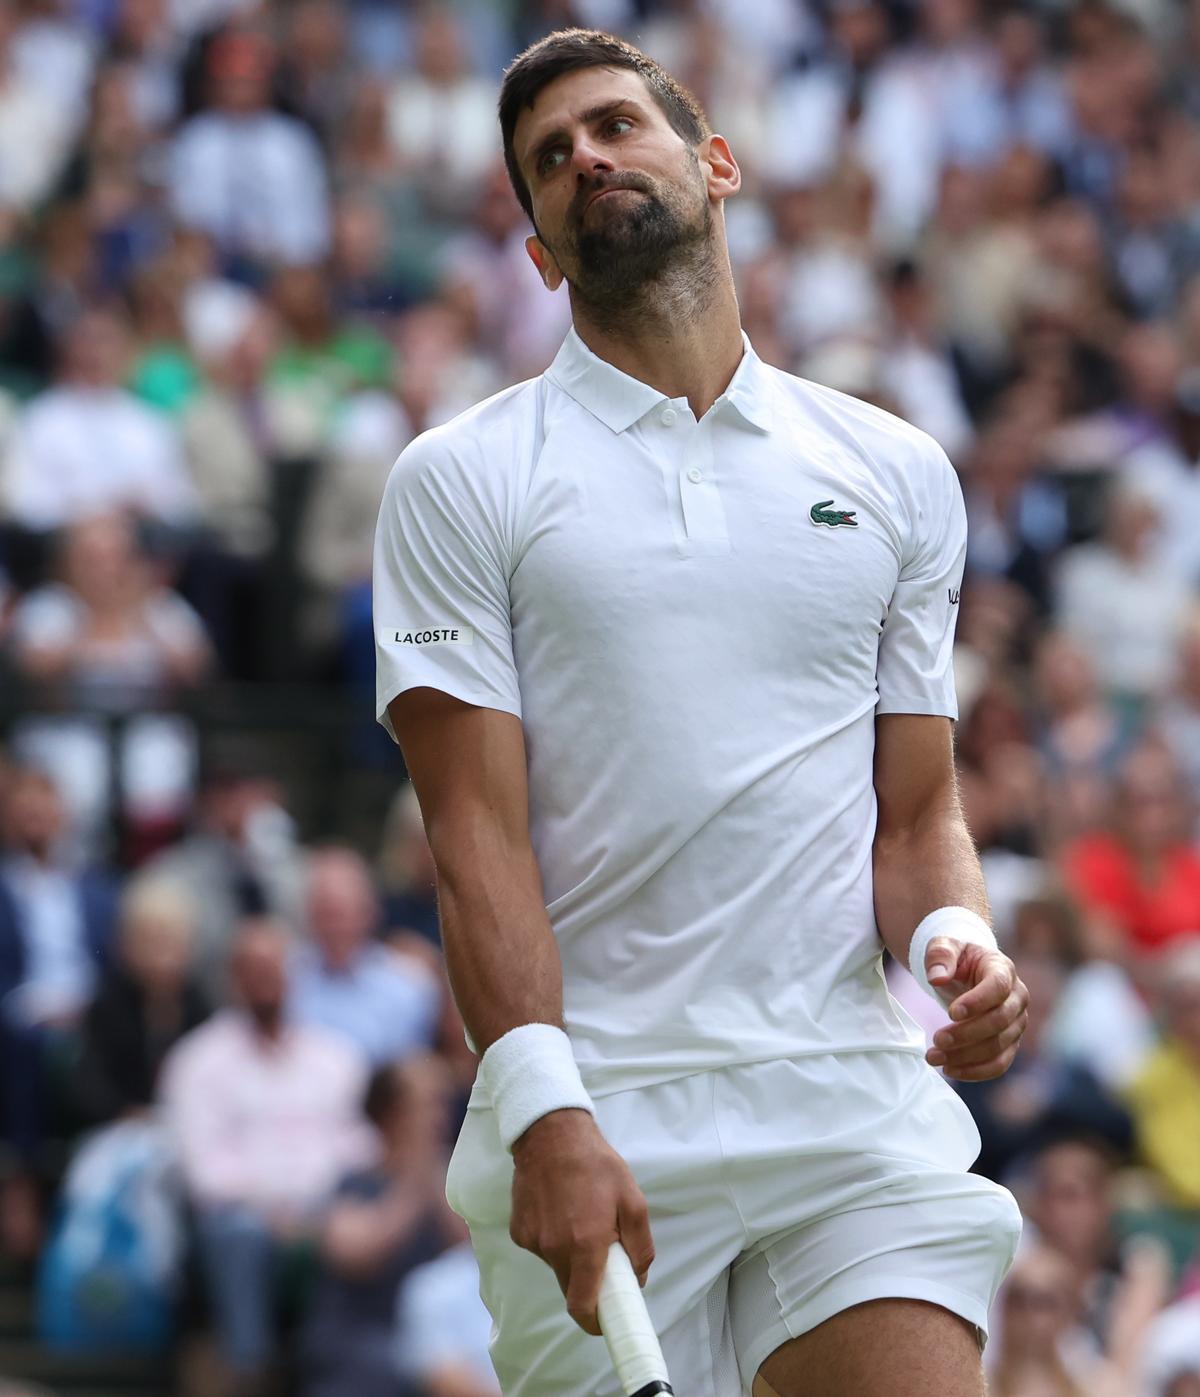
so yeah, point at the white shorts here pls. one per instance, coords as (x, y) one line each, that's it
(780, 1193)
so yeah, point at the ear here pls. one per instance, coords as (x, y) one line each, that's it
(721, 171)
(543, 259)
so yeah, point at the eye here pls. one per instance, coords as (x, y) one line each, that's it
(550, 161)
(620, 121)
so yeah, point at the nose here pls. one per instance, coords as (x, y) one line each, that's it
(587, 160)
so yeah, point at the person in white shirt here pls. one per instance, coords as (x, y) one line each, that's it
(665, 635)
(444, 1327)
(251, 178)
(87, 446)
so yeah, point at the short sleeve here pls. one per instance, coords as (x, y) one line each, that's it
(916, 651)
(441, 598)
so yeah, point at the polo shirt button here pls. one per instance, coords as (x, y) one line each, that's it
(668, 417)
(695, 475)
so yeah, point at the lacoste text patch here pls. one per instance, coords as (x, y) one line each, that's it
(426, 635)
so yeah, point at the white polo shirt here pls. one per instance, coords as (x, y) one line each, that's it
(697, 623)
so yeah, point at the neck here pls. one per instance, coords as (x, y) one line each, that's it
(268, 1023)
(680, 333)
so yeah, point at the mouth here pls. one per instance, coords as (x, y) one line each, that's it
(604, 193)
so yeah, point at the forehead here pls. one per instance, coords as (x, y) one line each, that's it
(561, 103)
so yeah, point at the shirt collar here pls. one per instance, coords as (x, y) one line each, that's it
(619, 400)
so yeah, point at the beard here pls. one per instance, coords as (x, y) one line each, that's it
(628, 243)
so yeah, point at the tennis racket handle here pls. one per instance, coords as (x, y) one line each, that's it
(625, 1323)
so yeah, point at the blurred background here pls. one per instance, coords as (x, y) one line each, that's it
(247, 251)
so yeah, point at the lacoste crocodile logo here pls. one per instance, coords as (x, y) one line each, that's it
(820, 513)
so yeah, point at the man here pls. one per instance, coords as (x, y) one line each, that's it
(88, 446)
(384, 1003)
(265, 1117)
(665, 636)
(251, 178)
(57, 925)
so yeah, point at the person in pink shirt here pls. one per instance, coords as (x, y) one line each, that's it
(266, 1117)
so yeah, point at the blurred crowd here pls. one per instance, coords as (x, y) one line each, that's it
(249, 248)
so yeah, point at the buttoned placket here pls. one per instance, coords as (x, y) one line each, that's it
(687, 448)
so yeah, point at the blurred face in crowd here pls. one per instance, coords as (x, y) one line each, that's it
(34, 815)
(619, 198)
(1072, 1201)
(95, 352)
(416, 1117)
(343, 911)
(1150, 803)
(946, 22)
(860, 30)
(240, 67)
(258, 971)
(1018, 40)
(1064, 679)
(156, 938)
(1040, 1300)
(100, 561)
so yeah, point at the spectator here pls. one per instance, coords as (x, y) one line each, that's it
(146, 1001)
(441, 116)
(407, 871)
(111, 637)
(1071, 1201)
(35, 130)
(1116, 600)
(1165, 1096)
(250, 177)
(1041, 1351)
(87, 446)
(1142, 876)
(264, 1114)
(382, 1223)
(56, 927)
(384, 1003)
(445, 1327)
(240, 859)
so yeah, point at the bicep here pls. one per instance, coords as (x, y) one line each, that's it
(914, 769)
(467, 765)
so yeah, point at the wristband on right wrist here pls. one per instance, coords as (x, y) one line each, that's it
(529, 1072)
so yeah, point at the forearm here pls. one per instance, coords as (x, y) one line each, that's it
(359, 1238)
(929, 864)
(501, 955)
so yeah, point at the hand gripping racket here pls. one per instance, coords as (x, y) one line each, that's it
(625, 1323)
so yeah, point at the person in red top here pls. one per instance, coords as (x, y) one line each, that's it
(1142, 876)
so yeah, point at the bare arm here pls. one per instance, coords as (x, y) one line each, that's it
(468, 767)
(572, 1194)
(925, 858)
(924, 855)
(359, 1236)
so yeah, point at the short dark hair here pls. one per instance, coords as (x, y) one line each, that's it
(569, 50)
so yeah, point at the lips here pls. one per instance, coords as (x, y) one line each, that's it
(611, 189)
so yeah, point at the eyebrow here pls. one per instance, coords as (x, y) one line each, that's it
(587, 118)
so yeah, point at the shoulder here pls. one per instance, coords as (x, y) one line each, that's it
(881, 441)
(483, 446)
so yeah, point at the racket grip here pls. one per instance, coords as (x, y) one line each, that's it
(625, 1323)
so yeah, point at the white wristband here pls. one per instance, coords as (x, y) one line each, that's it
(961, 924)
(529, 1072)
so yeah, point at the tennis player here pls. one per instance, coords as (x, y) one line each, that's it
(665, 635)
